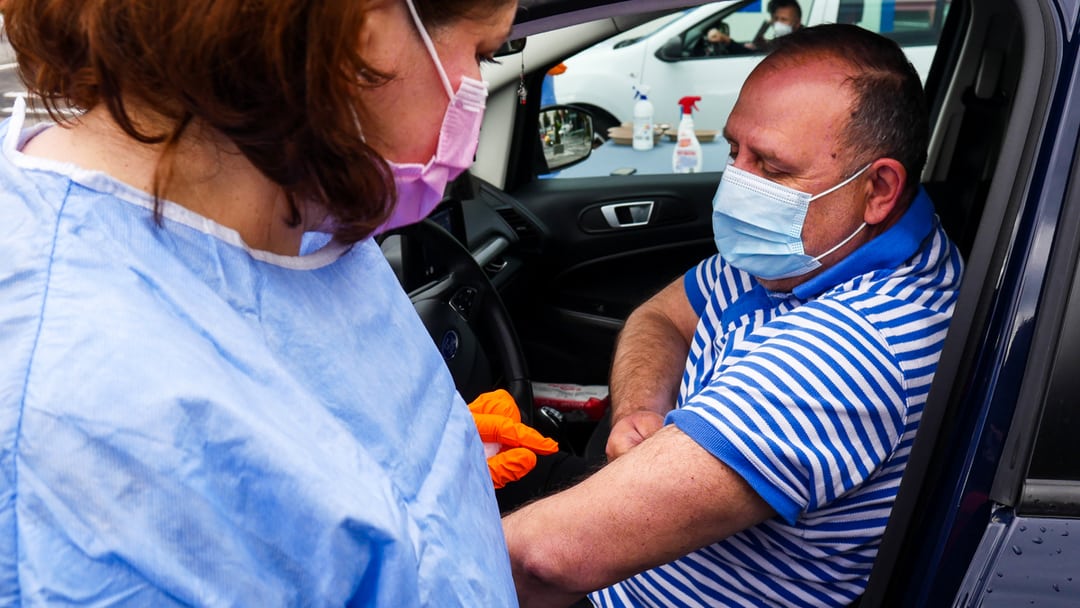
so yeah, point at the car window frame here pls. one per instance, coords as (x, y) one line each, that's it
(1034, 489)
(966, 388)
(699, 29)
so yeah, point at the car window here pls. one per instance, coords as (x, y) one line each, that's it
(669, 61)
(1053, 457)
(909, 22)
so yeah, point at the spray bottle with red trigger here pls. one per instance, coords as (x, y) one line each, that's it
(687, 157)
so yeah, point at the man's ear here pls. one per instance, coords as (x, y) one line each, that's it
(887, 178)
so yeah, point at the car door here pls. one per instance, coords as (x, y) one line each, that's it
(587, 250)
(591, 250)
(985, 508)
(599, 237)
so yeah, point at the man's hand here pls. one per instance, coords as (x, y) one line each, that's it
(631, 430)
(716, 36)
(648, 366)
(512, 446)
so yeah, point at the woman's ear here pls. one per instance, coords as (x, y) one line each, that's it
(379, 36)
(887, 178)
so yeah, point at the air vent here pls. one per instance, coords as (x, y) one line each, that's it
(526, 231)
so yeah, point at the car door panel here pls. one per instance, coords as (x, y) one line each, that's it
(1024, 561)
(584, 276)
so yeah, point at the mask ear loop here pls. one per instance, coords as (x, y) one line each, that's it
(430, 48)
(843, 183)
(834, 189)
(841, 243)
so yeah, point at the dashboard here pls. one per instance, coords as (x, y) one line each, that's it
(472, 223)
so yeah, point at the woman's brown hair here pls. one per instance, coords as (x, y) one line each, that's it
(278, 78)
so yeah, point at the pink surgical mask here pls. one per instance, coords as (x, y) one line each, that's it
(420, 188)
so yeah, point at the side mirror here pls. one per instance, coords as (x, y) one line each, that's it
(511, 47)
(671, 51)
(566, 135)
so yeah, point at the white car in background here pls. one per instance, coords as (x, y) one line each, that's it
(660, 54)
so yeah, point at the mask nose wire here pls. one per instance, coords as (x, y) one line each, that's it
(430, 48)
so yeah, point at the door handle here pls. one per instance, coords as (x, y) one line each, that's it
(627, 215)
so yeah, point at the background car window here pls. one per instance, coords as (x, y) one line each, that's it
(909, 22)
(662, 55)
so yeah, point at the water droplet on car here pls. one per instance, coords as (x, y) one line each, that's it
(1023, 527)
(1037, 540)
(1042, 529)
(1016, 550)
(1056, 588)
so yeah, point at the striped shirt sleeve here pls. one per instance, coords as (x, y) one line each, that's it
(698, 283)
(714, 278)
(809, 414)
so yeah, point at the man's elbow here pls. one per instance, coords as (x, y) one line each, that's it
(544, 569)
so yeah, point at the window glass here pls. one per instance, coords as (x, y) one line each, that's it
(909, 22)
(1054, 456)
(670, 59)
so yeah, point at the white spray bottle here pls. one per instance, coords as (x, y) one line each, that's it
(643, 120)
(687, 157)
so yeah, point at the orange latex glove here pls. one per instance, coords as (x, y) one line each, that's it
(511, 446)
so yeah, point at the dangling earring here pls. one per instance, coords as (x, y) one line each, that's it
(522, 92)
(356, 123)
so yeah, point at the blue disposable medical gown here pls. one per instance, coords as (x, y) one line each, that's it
(185, 421)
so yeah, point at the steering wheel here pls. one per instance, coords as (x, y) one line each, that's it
(465, 316)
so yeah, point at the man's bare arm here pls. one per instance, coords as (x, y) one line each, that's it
(648, 366)
(659, 502)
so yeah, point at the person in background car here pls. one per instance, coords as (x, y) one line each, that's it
(213, 390)
(717, 42)
(785, 17)
(765, 403)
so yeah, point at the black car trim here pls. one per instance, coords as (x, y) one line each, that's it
(926, 500)
(1050, 498)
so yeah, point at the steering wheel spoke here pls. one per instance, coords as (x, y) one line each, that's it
(465, 316)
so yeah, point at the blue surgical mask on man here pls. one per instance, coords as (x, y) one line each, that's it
(758, 225)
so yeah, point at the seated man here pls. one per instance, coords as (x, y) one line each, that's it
(765, 404)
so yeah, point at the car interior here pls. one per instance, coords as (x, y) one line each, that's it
(537, 284)
(521, 278)
(690, 44)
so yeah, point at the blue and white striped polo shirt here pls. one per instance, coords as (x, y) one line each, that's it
(814, 398)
